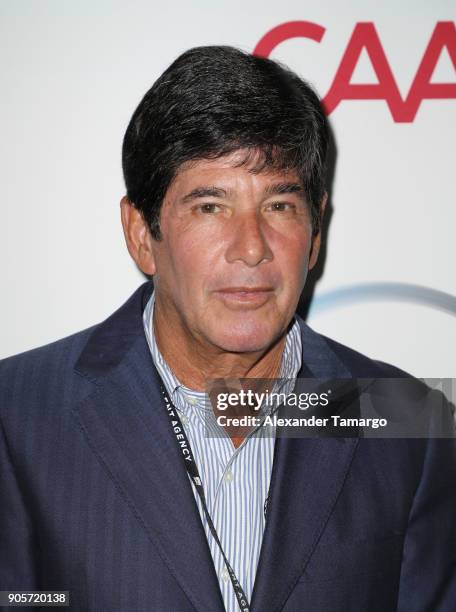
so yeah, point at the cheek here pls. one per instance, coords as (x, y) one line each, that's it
(193, 259)
(292, 256)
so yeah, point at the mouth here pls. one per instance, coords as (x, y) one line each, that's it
(245, 296)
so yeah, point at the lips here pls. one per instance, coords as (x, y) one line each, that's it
(245, 296)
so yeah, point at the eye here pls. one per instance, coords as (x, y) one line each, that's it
(209, 208)
(281, 207)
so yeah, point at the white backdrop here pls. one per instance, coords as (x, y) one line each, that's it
(72, 74)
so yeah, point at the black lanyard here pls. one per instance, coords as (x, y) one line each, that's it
(190, 464)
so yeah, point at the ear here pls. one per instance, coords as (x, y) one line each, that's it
(137, 236)
(316, 240)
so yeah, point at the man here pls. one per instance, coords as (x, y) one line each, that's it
(224, 164)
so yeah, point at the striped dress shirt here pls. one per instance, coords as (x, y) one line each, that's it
(235, 480)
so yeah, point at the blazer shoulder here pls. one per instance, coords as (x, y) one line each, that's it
(25, 373)
(363, 366)
(48, 350)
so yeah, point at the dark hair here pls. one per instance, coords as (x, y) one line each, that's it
(212, 101)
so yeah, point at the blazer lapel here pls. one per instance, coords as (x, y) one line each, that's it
(128, 430)
(307, 477)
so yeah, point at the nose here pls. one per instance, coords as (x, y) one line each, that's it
(248, 243)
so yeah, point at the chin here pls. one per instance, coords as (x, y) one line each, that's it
(246, 337)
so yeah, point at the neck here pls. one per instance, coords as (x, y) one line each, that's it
(194, 361)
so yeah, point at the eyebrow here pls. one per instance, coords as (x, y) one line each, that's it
(205, 192)
(281, 188)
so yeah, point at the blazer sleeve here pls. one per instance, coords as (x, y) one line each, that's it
(428, 572)
(17, 544)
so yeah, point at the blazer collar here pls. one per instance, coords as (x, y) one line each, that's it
(129, 433)
(112, 339)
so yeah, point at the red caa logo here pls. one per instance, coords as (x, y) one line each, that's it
(365, 37)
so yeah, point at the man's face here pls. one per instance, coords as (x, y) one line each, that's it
(234, 254)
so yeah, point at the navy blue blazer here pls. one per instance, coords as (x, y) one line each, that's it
(94, 498)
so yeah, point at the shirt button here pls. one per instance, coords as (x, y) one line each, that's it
(225, 575)
(184, 419)
(191, 400)
(228, 476)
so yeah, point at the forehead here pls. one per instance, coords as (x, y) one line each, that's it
(239, 166)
